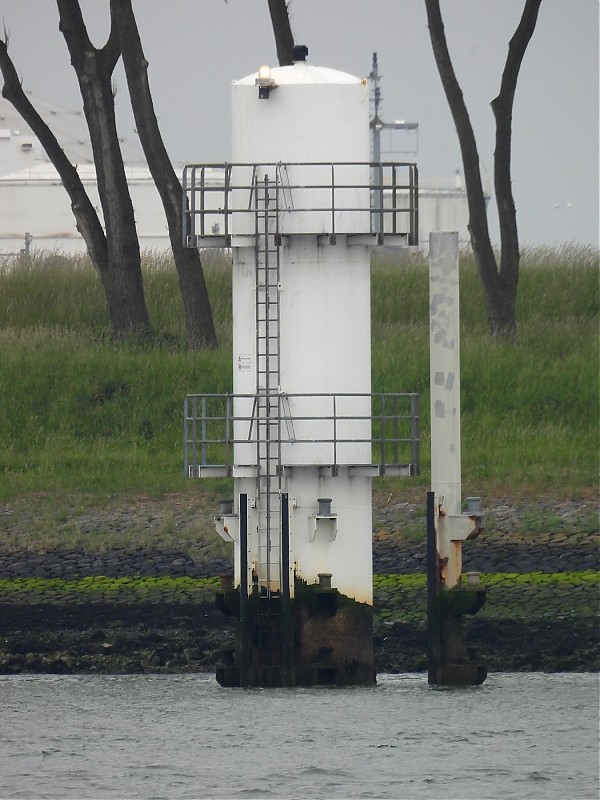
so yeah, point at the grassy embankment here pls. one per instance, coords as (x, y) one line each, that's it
(86, 423)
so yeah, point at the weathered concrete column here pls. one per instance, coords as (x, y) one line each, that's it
(444, 353)
(449, 660)
(444, 356)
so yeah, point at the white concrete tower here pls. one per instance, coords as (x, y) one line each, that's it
(302, 322)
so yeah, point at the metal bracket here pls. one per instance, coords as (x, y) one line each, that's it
(227, 527)
(461, 527)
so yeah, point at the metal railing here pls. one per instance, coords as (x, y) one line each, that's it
(391, 430)
(216, 192)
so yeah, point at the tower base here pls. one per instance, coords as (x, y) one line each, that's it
(451, 661)
(320, 637)
(455, 663)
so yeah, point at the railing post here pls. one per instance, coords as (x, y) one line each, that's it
(203, 434)
(194, 435)
(415, 434)
(380, 215)
(186, 463)
(193, 208)
(334, 431)
(202, 208)
(185, 232)
(382, 430)
(280, 413)
(227, 169)
(394, 200)
(332, 237)
(227, 436)
(414, 231)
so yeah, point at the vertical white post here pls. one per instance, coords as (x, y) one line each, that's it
(444, 352)
(450, 662)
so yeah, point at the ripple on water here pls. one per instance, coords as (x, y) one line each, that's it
(184, 737)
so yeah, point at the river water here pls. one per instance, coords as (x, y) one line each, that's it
(183, 736)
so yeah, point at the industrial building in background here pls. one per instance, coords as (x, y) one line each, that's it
(35, 210)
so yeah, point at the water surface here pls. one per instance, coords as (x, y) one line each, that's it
(182, 736)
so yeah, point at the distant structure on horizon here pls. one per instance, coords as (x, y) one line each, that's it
(35, 210)
(442, 201)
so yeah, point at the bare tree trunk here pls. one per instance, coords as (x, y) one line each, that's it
(500, 285)
(502, 107)
(198, 314)
(284, 39)
(94, 67)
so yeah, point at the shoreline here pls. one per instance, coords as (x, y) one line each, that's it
(115, 606)
(531, 622)
(171, 638)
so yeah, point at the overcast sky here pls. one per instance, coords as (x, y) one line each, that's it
(197, 47)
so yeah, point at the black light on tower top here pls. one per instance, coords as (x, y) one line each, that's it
(299, 52)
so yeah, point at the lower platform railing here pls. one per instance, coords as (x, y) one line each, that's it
(375, 433)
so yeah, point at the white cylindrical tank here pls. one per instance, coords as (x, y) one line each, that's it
(315, 117)
(310, 138)
(322, 114)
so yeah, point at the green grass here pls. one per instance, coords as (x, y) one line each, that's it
(530, 406)
(83, 415)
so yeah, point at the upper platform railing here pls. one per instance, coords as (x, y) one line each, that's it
(380, 200)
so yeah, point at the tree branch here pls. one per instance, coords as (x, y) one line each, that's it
(112, 49)
(72, 27)
(478, 226)
(502, 106)
(94, 68)
(194, 294)
(282, 29)
(516, 52)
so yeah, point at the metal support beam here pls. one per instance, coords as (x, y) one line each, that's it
(433, 588)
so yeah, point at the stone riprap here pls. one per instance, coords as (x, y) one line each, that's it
(531, 621)
(106, 607)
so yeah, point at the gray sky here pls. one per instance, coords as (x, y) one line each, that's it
(197, 47)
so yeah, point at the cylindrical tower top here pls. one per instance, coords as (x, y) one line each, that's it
(301, 73)
(300, 113)
(315, 122)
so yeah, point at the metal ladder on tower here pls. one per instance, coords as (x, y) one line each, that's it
(267, 407)
(268, 427)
